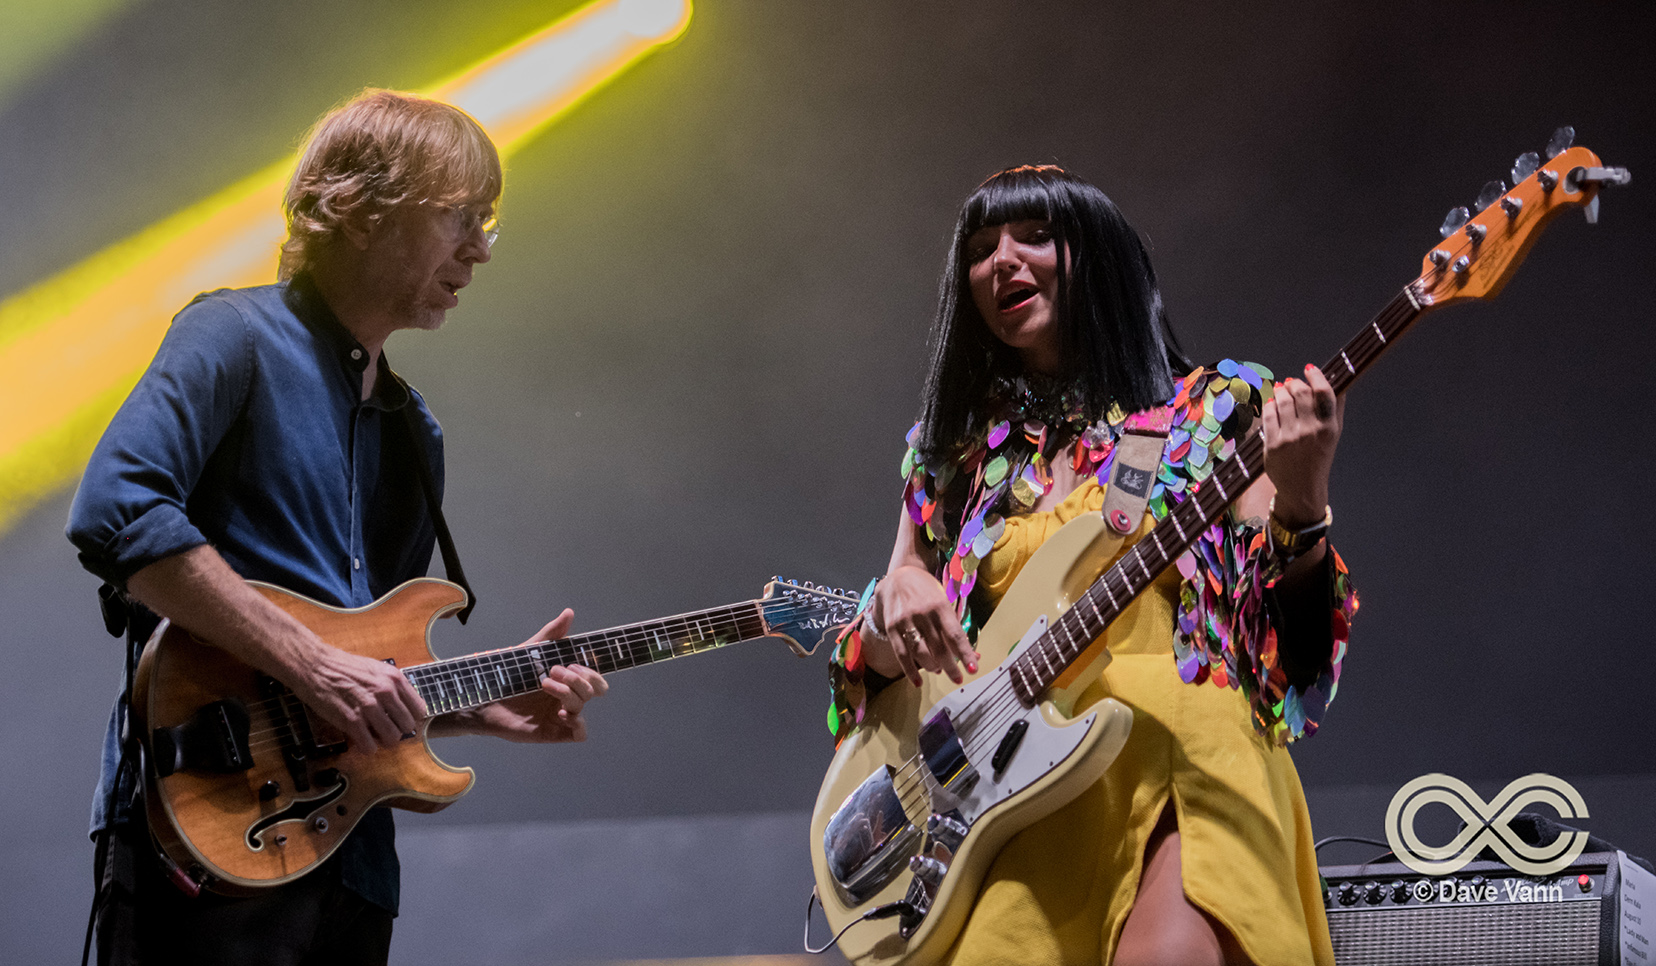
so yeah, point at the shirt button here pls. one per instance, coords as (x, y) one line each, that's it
(356, 563)
(356, 354)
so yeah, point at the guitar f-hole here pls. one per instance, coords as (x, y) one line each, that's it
(299, 810)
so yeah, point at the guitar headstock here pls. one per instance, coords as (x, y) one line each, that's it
(1482, 249)
(805, 614)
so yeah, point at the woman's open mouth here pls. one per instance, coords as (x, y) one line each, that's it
(1016, 297)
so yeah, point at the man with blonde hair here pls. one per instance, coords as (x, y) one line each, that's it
(270, 440)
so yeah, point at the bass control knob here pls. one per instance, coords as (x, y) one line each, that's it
(928, 870)
(1348, 894)
(1400, 892)
(1374, 895)
(945, 831)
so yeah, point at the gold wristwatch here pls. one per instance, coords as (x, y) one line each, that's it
(1292, 543)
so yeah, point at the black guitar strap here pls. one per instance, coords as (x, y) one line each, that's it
(445, 542)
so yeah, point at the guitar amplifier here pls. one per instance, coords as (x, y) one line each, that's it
(1386, 913)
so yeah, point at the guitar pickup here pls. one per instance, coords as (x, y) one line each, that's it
(214, 739)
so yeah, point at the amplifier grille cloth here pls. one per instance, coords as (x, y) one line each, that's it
(1552, 934)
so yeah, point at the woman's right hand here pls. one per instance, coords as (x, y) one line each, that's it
(911, 627)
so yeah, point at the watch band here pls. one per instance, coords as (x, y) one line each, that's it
(1292, 543)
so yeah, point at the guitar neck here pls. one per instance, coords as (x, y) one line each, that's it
(1040, 666)
(462, 683)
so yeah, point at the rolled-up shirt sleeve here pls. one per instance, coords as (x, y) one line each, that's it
(130, 510)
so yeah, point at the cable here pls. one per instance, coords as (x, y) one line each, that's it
(1317, 847)
(886, 911)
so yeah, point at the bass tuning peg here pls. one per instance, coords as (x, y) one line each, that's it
(1561, 141)
(1453, 221)
(1489, 195)
(1525, 166)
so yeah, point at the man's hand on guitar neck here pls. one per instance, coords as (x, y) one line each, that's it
(370, 701)
(552, 714)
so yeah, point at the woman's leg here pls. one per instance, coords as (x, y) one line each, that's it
(1163, 928)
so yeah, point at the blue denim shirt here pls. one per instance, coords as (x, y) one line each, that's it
(248, 432)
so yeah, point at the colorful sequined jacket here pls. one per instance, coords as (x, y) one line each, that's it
(1224, 632)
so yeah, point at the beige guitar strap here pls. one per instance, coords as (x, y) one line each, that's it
(1138, 455)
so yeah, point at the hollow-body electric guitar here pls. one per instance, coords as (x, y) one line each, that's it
(247, 788)
(920, 798)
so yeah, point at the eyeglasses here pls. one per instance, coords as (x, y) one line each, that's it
(471, 221)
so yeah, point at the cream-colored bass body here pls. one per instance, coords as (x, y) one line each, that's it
(962, 786)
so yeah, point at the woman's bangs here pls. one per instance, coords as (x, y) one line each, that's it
(1014, 196)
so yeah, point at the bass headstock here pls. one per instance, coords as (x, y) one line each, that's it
(1482, 247)
(805, 614)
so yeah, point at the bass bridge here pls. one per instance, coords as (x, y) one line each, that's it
(871, 839)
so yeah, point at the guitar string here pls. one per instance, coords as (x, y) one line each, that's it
(506, 668)
(507, 672)
(612, 648)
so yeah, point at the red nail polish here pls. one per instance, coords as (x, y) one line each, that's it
(972, 668)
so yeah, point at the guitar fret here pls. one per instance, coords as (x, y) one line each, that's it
(1098, 614)
(1381, 335)
(1063, 623)
(1219, 484)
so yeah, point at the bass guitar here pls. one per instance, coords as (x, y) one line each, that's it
(920, 798)
(246, 788)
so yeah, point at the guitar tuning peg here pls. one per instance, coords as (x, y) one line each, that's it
(1525, 166)
(1489, 195)
(1453, 221)
(1561, 141)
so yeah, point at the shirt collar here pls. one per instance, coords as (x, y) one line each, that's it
(306, 302)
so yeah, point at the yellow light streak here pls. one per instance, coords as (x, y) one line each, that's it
(73, 345)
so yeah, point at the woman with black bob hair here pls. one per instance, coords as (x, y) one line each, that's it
(1050, 345)
(1112, 329)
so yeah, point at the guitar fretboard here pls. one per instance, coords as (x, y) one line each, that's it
(468, 682)
(1041, 664)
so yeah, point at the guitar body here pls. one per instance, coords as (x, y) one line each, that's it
(243, 828)
(1057, 758)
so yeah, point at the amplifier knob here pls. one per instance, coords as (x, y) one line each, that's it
(1399, 892)
(1348, 894)
(1374, 895)
(1584, 882)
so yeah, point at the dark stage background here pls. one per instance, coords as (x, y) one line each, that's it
(692, 360)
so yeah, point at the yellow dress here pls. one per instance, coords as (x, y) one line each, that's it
(1061, 889)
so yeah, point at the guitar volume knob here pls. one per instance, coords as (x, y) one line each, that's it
(928, 870)
(945, 831)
